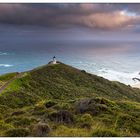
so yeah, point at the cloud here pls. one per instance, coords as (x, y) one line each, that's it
(109, 20)
(94, 16)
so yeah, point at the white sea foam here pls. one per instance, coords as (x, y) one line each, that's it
(123, 77)
(5, 65)
(3, 53)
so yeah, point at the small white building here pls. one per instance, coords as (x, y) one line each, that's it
(54, 60)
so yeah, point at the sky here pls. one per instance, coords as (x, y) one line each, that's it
(72, 21)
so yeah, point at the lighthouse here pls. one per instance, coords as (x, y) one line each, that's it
(54, 60)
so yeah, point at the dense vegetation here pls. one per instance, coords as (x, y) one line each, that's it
(59, 100)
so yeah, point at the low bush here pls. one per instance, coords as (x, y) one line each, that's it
(62, 116)
(86, 121)
(50, 104)
(136, 128)
(5, 126)
(4, 109)
(24, 121)
(17, 113)
(66, 106)
(64, 131)
(21, 121)
(105, 133)
(17, 132)
(40, 130)
(39, 110)
(124, 122)
(86, 118)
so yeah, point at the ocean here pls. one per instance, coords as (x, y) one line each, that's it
(113, 60)
(23, 48)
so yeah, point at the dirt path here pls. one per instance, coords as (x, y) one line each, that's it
(8, 82)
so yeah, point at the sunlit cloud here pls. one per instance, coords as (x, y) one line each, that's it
(108, 20)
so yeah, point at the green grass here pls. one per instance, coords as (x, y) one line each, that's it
(7, 76)
(17, 132)
(64, 131)
(29, 102)
(105, 133)
(17, 84)
(5, 126)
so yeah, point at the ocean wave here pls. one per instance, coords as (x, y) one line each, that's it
(124, 77)
(5, 65)
(3, 53)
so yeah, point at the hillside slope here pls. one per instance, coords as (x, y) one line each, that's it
(66, 101)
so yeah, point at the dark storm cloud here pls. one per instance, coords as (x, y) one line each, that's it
(99, 16)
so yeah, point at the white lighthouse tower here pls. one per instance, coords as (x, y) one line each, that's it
(54, 60)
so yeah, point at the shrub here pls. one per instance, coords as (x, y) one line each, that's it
(4, 126)
(20, 121)
(124, 122)
(86, 121)
(50, 104)
(4, 109)
(40, 130)
(24, 121)
(17, 132)
(18, 112)
(105, 133)
(83, 71)
(64, 131)
(135, 128)
(62, 116)
(39, 110)
(66, 106)
(86, 118)
(107, 119)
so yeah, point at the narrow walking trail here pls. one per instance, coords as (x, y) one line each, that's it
(2, 88)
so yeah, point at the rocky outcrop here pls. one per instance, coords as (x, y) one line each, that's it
(93, 106)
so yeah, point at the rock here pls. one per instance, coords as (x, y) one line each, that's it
(62, 116)
(93, 106)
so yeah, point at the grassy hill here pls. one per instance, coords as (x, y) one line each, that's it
(59, 100)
